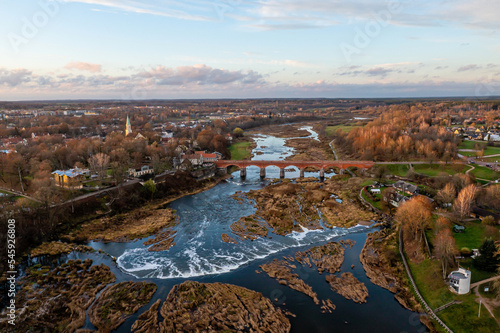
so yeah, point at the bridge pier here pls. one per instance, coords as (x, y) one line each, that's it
(243, 173)
(282, 173)
(302, 173)
(322, 174)
(342, 171)
(262, 173)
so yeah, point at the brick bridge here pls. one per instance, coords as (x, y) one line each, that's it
(301, 165)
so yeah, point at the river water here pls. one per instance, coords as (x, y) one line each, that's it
(201, 255)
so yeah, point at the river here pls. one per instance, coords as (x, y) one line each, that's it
(201, 255)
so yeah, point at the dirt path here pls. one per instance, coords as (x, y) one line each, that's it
(486, 302)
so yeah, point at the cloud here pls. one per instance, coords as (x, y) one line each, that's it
(199, 75)
(84, 66)
(381, 70)
(471, 67)
(170, 8)
(14, 77)
(202, 81)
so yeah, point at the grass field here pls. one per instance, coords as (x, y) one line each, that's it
(240, 150)
(472, 238)
(435, 169)
(459, 317)
(485, 173)
(398, 169)
(345, 128)
(471, 145)
(490, 159)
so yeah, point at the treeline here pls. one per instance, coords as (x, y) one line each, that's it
(402, 133)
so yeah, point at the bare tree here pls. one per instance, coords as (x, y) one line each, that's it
(99, 163)
(444, 249)
(447, 193)
(463, 203)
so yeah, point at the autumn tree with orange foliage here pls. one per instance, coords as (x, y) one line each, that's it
(415, 215)
(463, 203)
(447, 193)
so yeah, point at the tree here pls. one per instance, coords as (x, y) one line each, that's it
(447, 193)
(99, 164)
(381, 171)
(238, 132)
(463, 203)
(150, 188)
(488, 220)
(488, 259)
(444, 249)
(415, 215)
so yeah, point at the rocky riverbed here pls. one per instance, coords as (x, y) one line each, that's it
(216, 307)
(118, 302)
(56, 300)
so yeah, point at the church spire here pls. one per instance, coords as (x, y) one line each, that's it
(128, 128)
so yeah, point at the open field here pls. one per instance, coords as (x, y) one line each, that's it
(240, 150)
(345, 128)
(459, 317)
(435, 169)
(485, 173)
(398, 169)
(472, 145)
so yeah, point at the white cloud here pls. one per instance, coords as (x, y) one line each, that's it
(84, 66)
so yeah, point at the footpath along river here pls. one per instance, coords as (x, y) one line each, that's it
(201, 255)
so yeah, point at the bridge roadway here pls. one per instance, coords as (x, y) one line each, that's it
(301, 165)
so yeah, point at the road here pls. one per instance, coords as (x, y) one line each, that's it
(19, 194)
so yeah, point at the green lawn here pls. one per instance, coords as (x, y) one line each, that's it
(459, 317)
(467, 144)
(490, 159)
(463, 318)
(240, 150)
(476, 275)
(376, 204)
(398, 169)
(485, 173)
(471, 145)
(472, 238)
(429, 278)
(345, 128)
(435, 169)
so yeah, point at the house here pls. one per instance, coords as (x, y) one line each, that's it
(480, 213)
(458, 228)
(460, 281)
(72, 178)
(406, 187)
(200, 157)
(144, 170)
(375, 190)
(395, 198)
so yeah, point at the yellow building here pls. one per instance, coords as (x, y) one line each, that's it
(72, 178)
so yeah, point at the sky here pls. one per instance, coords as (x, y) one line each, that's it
(169, 49)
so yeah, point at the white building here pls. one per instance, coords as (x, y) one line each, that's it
(460, 281)
(145, 170)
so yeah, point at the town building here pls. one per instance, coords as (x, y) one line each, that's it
(71, 179)
(144, 170)
(460, 281)
(128, 127)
